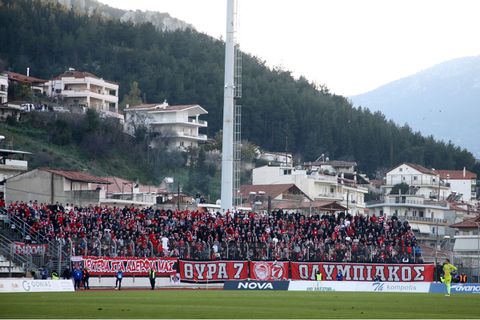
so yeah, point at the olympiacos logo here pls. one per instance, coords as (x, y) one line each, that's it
(262, 270)
(265, 271)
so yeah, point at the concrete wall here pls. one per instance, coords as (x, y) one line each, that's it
(46, 187)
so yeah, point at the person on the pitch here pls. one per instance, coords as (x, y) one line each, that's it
(448, 268)
(152, 276)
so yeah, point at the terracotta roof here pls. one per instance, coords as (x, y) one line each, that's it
(117, 184)
(422, 169)
(77, 176)
(23, 78)
(417, 167)
(272, 190)
(314, 205)
(456, 174)
(467, 224)
(75, 74)
(79, 75)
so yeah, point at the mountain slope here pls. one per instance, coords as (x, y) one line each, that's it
(443, 100)
(162, 21)
(279, 113)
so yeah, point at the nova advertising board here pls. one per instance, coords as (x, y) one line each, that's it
(363, 271)
(213, 271)
(27, 285)
(456, 288)
(357, 286)
(256, 285)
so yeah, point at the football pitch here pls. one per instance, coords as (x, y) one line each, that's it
(235, 304)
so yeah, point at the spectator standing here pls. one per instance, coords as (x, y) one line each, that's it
(152, 276)
(86, 278)
(339, 276)
(118, 282)
(77, 277)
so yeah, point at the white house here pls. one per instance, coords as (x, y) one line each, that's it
(79, 89)
(175, 126)
(462, 183)
(428, 218)
(316, 186)
(422, 181)
(3, 88)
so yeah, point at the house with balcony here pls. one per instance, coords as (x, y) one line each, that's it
(316, 185)
(37, 85)
(422, 181)
(176, 127)
(428, 218)
(80, 90)
(462, 184)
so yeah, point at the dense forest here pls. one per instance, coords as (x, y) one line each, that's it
(279, 112)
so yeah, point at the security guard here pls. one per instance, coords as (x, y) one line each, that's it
(55, 275)
(318, 276)
(152, 276)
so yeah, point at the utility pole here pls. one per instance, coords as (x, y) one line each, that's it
(178, 196)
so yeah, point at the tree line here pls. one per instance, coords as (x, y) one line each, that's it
(279, 112)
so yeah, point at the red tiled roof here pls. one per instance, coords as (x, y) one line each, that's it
(79, 75)
(456, 174)
(117, 185)
(420, 168)
(75, 74)
(23, 78)
(77, 176)
(272, 190)
(467, 224)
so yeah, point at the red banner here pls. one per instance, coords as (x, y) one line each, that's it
(269, 270)
(362, 272)
(28, 248)
(107, 266)
(206, 271)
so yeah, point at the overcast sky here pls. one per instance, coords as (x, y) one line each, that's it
(352, 46)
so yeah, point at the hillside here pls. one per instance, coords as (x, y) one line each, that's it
(162, 21)
(443, 101)
(279, 112)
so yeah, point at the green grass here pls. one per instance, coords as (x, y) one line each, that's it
(236, 304)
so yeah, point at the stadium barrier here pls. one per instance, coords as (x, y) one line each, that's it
(28, 285)
(256, 285)
(360, 286)
(456, 288)
(223, 270)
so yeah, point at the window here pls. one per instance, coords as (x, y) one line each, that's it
(182, 144)
(287, 172)
(415, 178)
(401, 169)
(332, 189)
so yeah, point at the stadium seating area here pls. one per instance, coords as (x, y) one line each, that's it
(114, 231)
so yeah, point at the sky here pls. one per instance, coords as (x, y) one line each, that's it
(351, 46)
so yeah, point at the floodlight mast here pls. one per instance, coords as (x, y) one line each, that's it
(228, 111)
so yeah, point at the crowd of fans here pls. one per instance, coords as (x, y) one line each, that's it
(129, 231)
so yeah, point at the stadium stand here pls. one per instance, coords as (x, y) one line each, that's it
(129, 231)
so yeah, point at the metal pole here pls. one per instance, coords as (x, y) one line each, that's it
(436, 249)
(10, 262)
(478, 251)
(228, 112)
(178, 196)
